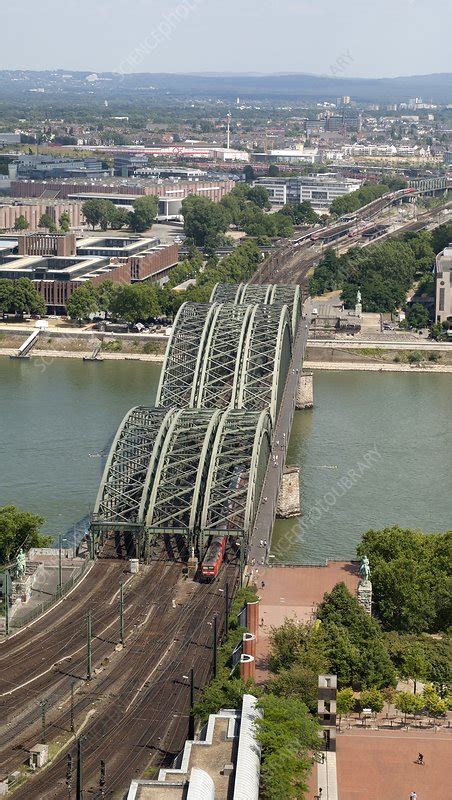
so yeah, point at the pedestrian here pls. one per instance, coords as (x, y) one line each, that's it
(262, 622)
(420, 759)
(265, 543)
(413, 796)
(261, 543)
(263, 585)
(264, 499)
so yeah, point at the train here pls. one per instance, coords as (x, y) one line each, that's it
(213, 559)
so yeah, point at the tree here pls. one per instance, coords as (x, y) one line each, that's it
(417, 316)
(135, 303)
(405, 703)
(19, 530)
(410, 578)
(144, 213)
(435, 706)
(120, 219)
(414, 664)
(273, 171)
(24, 298)
(372, 698)
(345, 702)
(82, 302)
(204, 219)
(65, 222)
(354, 642)
(46, 221)
(99, 212)
(288, 734)
(249, 173)
(21, 223)
(6, 295)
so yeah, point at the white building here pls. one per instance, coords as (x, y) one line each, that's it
(443, 281)
(320, 190)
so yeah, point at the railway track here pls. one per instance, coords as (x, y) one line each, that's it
(140, 711)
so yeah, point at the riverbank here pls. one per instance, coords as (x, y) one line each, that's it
(378, 367)
(103, 356)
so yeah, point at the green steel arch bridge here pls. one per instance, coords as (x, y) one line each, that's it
(196, 463)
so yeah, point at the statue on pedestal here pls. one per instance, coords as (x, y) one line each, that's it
(21, 563)
(364, 569)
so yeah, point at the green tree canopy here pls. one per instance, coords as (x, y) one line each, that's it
(82, 302)
(354, 642)
(411, 578)
(19, 530)
(288, 735)
(144, 213)
(46, 221)
(21, 223)
(204, 219)
(98, 211)
(65, 222)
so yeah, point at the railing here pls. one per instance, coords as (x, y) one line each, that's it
(46, 604)
(266, 515)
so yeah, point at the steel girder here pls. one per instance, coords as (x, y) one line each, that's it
(289, 295)
(184, 354)
(182, 472)
(257, 293)
(227, 293)
(222, 362)
(238, 465)
(129, 469)
(266, 360)
(268, 294)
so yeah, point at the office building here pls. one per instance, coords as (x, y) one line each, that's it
(127, 164)
(36, 167)
(443, 285)
(58, 263)
(320, 190)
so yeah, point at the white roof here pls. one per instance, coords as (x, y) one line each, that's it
(249, 753)
(201, 785)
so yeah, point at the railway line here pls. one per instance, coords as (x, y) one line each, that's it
(141, 708)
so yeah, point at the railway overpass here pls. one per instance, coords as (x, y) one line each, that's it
(196, 464)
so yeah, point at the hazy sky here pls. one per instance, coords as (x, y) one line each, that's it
(378, 37)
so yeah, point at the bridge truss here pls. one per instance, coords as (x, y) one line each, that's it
(195, 464)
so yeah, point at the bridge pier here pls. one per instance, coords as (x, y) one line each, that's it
(288, 503)
(305, 391)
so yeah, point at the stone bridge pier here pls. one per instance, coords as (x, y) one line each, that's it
(305, 391)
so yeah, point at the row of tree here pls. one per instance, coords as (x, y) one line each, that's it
(383, 272)
(105, 214)
(428, 702)
(46, 221)
(245, 208)
(349, 203)
(20, 297)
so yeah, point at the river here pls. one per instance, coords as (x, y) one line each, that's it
(393, 431)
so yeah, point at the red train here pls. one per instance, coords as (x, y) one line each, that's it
(213, 559)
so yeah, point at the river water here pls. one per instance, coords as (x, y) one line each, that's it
(393, 431)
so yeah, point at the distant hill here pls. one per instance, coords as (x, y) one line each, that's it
(436, 88)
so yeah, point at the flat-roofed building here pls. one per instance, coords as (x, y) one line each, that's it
(57, 264)
(223, 764)
(320, 190)
(443, 281)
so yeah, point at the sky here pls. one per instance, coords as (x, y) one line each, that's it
(359, 38)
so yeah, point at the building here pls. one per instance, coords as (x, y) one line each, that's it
(9, 138)
(320, 190)
(448, 157)
(443, 282)
(121, 192)
(36, 167)
(33, 211)
(127, 164)
(58, 263)
(299, 155)
(223, 764)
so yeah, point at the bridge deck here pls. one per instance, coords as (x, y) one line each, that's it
(266, 514)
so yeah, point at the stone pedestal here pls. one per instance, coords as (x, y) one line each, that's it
(252, 618)
(288, 504)
(364, 594)
(305, 391)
